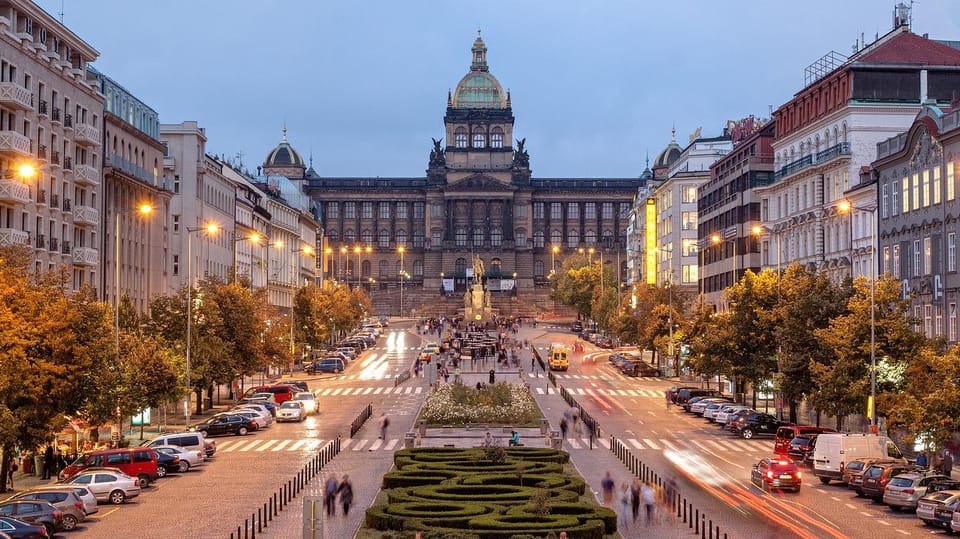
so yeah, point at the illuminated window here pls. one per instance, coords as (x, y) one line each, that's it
(460, 138)
(496, 138)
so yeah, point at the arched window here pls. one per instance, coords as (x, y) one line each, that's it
(401, 237)
(350, 268)
(332, 236)
(538, 268)
(385, 268)
(460, 138)
(496, 138)
(384, 238)
(418, 268)
(496, 267)
(607, 239)
(520, 236)
(479, 141)
(460, 266)
(477, 237)
(461, 237)
(349, 236)
(496, 237)
(366, 237)
(365, 268)
(538, 239)
(573, 238)
(555, 237)
(590, 237)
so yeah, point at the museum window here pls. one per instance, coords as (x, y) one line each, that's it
(332, 236)
(384, 210)
(365, 268)
(460, 266)
(573, 238)
(590, 210)
(333, 210)
(479, 141)
(590, 237)
(624, 209)
(894, 198)
(418, 210)
(436, 210)
(436, 238)
(607, 209)
(367, 211)
(418, 239)
(461, 237)
(555, 237)
(952, 251)
(883, 201)
(496, 138)
(927, 255)
(538, 210)
(951, 187)
(418, 268)
(885, 267)
(936, 185)
(460, 138)
(925, 188)
(350, 210)
(366, 237)
(349, 236)
(607, 239)
(555, 210)
(573, 210)
(916, 191)
(401, 237)
(477, 237)
(384, 238)
(905, 192)
(520, 210)
(538, 239)
(521, 238)
(689, 273)
(916, 258)
(538, 268)
(895, 266)
(496, 268)
(384, 268)
(496, 237)
(401, 210)
(176, 264)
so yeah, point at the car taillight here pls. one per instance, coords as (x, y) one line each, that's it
(908, 491)
(769, 475)
(176, 459)
(41, 531)
(807, 447)
(78, 505)
(57, 514)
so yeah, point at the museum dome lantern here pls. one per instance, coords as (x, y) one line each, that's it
(478, 88)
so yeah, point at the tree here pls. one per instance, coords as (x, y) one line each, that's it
(575, 284)
(929, 405)
(309, 308)
(753, 349)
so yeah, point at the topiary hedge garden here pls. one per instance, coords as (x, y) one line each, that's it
(457, 492)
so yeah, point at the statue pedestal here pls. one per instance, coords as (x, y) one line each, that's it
(476, 304)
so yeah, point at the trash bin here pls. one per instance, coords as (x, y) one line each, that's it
(556, 442)
(493, 376)
(422, 427)
(409, 440)
(544, 426)
(26, 465)
(38, 464)
(207, 403)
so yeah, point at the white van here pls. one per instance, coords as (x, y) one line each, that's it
(833, 450)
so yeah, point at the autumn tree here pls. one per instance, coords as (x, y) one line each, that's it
(753, 349)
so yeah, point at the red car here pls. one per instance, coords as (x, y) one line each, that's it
(776, 472)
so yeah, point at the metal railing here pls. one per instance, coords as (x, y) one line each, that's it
(692, 516)
(362, 418)
(401, 378)
(593, 426)
(263, 516)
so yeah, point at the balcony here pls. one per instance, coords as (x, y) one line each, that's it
(55, 115)
(86, 135)
(14, 192)
(65, 247)
(85, 256)
(54, 158)
(15, 144)
(67, 205)
(137, 172)
(67, 163)
(12, 236)
(54, 201)
(54, 245)
(42, 153)
(67, 121)
(85, 216)
(833, 152)
(41, 196)
(85, 175)
(42, 108)
(15, 96)
(41, 242)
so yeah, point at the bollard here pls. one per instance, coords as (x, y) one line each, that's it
(266, 514)
(253, 531)
(269, 505)
(684, 509)
(275, 504)
(246, 530)
(259, 520)
(711, 529)
(703, 527)
(696, 522)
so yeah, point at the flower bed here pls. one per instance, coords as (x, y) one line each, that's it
(457, 404)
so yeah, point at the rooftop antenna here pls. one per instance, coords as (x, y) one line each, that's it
(61, 12)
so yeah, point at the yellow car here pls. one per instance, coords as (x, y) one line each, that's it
(428, 351)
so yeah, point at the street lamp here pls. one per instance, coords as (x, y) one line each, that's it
(327, 256)
(717, 239)
(208, 229)
(761, 231)
(553, 258)
(401, 249)
(845, 207)
(342, 271)
(255, 239)
(307, 250)
(359, 250)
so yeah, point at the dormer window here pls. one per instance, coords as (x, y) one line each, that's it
(479, 141)
(460, 138)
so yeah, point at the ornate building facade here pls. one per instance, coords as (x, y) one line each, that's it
(479, 197)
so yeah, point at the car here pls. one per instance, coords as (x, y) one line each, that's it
(291, 410)
(776, 472)
(227, 424)
(263, 416)
(186, 458)
(309, 400)
(384, 320)
(684, 394)
(942, 484)
(638, 368)
(300, 385)
(853, 471)
(63, 498)
(905, 490)
(253, 415)
(332, 365)
(603, 341)
(86, 497)
(37, 512)
(166, 463)
(786, 433)
(268, 404)
(876, 477)
(18, 529)
(193, 441)
(139, 462)
(758, 423)
(281, 392)
(801, 449)
(108, 486)
(429, 351)
(933, 511)
(728, 411)
(700, 406)
(576, 327)
(348, 351)
(711, 410)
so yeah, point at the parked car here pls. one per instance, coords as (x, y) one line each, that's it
(786, 433)
(876, 477)
(107, 486)
(576, 326)
(728, 412)
(166, 463)
(309, 399)
(603, 341)
(291, 410)
(252, 415)
(904, 490)
(631, 367)
(700, 406)
(775, 472)
(267, 403)
(227, 424)
(331, 364)
(193, 441)
(263, 416)
(685, 394)
(758, 423)
(933, 509)
(18, 529)
(37, 512)
(943, 484)
(801, 449)
(86, 497)
(835, 449)
(350, 352)
(281, 392)
(300, 385)
(63, 498)
(139, 462)
(853, 471)
(186, 458)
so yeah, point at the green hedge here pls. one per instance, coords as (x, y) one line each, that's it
(583, 510)
(549, 481)
(416, 477)
(592, 529)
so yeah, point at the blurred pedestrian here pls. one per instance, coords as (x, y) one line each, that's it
(345, 491)
(330, 495)
(48, 461)
(383, 422)
(635, 499)
(563, 428)
(649, 499)
(922, 460)
(624, 504)
(946, 463)
(607, 486)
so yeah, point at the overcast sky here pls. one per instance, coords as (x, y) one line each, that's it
(362, 86)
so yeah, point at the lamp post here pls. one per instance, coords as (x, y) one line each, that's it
(209, 229)
(553, 258)
(717, 239)
(401, 249)
(254, 238)
(760, 231)
(342, 270)
(844, 207)
(327, 256)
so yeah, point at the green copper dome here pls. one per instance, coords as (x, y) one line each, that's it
(478, 88)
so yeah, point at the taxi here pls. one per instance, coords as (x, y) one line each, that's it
(428, 351)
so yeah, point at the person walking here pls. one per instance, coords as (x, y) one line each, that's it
(649, 499)
(946, 463)
(330, 495)
(635, 499)
(563, 428)
(607, 486)
(10, 469)
(624, 504)
(48, 461)
(383, 423)
(345, 491)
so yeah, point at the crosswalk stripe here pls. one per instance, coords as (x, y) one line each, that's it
(266, 444)
(379, 390)
(391, 444)
(573, 443)
(408, 391)
(633, 393)
(651, 443)
(635, 443)
(345, 443)
(368, 390)
(579, 391)
(312, 444)
(539, 390)
(336, 391)
(718, 445)
(418, 391)
(668, 445)
(375, 445)
(325, 392)
(360, 444)
(281, 445)
(250, 445)
(605, 442)
(296, 445)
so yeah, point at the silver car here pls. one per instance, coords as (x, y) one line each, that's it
(86, 497)
(904, 490)
(63, 498)
(113, 487)
(188, 458)
(291, 410)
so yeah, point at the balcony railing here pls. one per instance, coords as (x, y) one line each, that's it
(85, 216)
(85, 174)
(86, 135)
(85, 256)
(42, 152)
(55, 115)
(837, 150)
(12, 236)
(41, 241)
(54, 245)
(42, 109)
(68, 163)
(65, 247)
(68, 121)
(55, 158)
(41, 196)
(67, 204)
(54, 200)
(14, 191)
(16, 144)
(15, 96)
(833, 152)
(136, 171)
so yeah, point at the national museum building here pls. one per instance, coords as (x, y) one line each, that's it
(478, 197)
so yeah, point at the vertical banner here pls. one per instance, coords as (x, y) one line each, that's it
(650, 235)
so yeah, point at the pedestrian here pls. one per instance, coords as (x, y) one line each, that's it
(576, 420)
(456, 374)
(48, 461)
(922, 460)
(488, 439)
(330, 495)
(635, 499)
(649, 499)
(607, 486)
(514, 438)
(10, 469)
(345, 491)
(384, 422)
(946, 463)
(670, 492)
(533, 364)
(493, 376)
(563, 428)
(624, 503)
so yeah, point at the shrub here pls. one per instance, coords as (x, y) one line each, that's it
(497, 403)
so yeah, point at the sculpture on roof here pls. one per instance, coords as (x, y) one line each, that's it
(438, 157)
(521, 159)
